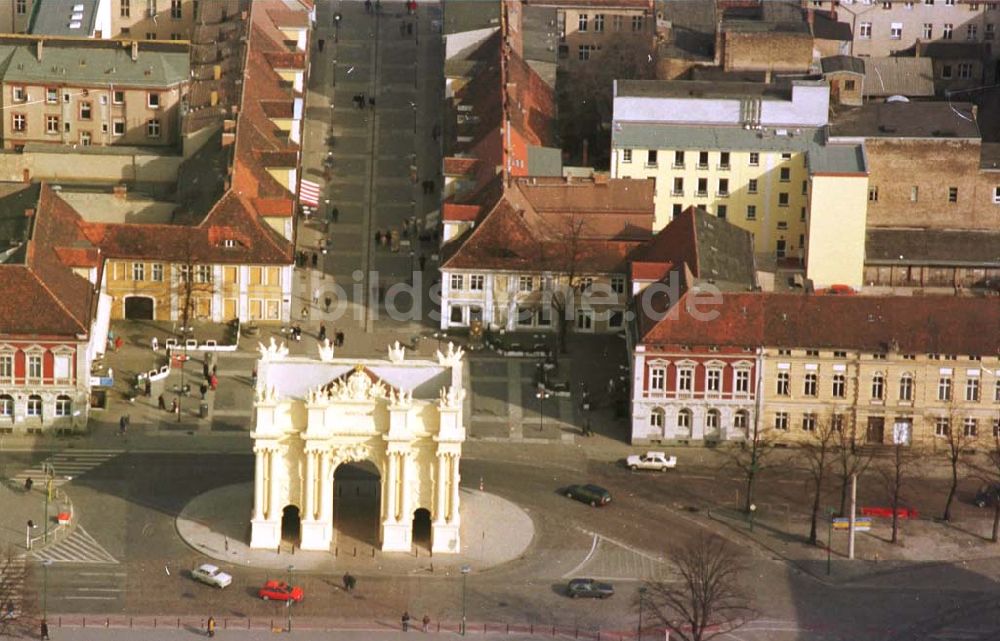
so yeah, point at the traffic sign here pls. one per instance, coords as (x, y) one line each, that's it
(861, 524)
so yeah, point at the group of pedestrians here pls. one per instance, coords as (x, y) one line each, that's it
(362, 99)
(405, 620)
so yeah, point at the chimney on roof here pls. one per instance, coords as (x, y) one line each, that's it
(833, 12)
(40, 49)
(600, 179)
(120, 191)
(135, 50)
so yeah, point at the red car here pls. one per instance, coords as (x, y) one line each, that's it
(280, 591)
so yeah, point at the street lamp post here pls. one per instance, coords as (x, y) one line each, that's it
(638, 632)
(288, 603)
(336, 25)
(45, 588)
(465, 575)
(49, 474)
(541, 395)
(753, 510)
(829, 539)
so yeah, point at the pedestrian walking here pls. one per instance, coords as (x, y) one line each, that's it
(119, 342)
(210, 626)
(149, 387)
(161, 402)
(321, 43)
(155, 343)
(316, 296)
(204, 369)
(378, 237)
(45, 630)
(28, 484)
(371, 101)
(328, 301)
(368, 6)
(322, 332)
(175, 406)
(406, 621)
(213, 383)
(339, 339)
(426, 621)
(334, 214)
(122, 424)
(315, 260)
(304, 313)
(204, 390)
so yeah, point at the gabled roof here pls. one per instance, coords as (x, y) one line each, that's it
(852, 64)
(898, 76)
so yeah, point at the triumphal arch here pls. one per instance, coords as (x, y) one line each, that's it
(404, 416)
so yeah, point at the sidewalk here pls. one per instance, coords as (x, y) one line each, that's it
(20, 506)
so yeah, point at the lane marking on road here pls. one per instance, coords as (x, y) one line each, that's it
(88, 598)
(78, 547)
(593, 548)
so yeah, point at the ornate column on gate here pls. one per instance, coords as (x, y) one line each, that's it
(258, 484)
(317, 526)
(451, 434)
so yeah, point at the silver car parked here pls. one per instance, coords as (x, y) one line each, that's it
(211, 575)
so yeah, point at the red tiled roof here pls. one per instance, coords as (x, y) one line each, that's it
(455, 166)
(286, 59)
(274, 206)
(278, 108)
(289, 18)
(650, 271)
(455, 211)
(945, 324)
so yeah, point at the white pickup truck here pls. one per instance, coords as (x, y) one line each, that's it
(651, 461)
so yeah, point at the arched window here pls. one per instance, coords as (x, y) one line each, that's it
(6, 405)
(684, 421)
(34, 405)
(906, 387)
(741, 421)
(712, 421)
(64, 405)
(657, 418)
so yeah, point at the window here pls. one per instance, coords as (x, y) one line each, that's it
(783, 384)
(972, 389)
(849, 85)
(906, 387)
(712, 421)
(118, 128)
(617, 22)
(52, 96)
(953, 194)
(713, 381)
(150, 35)
(85, 110)
(138, 271)
(896, 31)
(752, 186)
(722, 210)
(64, 406)
(742, 382)
(34, 405)
(724, 160)
(544, 318)
(583, 51)
(971, 31)
(85, 138)
(781, 421)
(865, 31)
(153, 100)
(524, 316)
(878, 387)
(203, 274)
(6, 405)
(126, 8)
(176, 12)
(657, 379)
(21, 7)
(581, 23)
(684, 420)
(965, 70)
(19, 122)
(153, 128)
(651, 158)
(702, 187)
(810, 384)
(996, 391)
(808, 422)
(970, 427)
(677, 210)
(599, 23)
(157, 272)
(34, 366)
(618, 284)
(702, 160)
(942, 426)
(678, 187)
(751, 212)
(873, 194)
(626, 155)
(944, 388)
(786, 155)
(723, 187)
(51, 124)
(785, 174)
(657, 418)
(946, 71)
(118, 97)
(989, 31)
(678, 160)
(783, 199)
(754, 159)
(887, 5)
(525, 283)
(947, 30)
(928, 31)
(457, 282)
(20, 94)
(637, 23)
(477, 282)
(839, 386)
(741, 421)
(685, 379)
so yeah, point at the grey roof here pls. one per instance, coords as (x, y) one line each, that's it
(540, 33)
(827, 28)
(898, 76)
(725, 251)
(837, 159)
(96, 62)
(907, 120)
(701, 89)
(54, 17)
(833, 64)
(932, 247)
(956, 50)
(544, 161)
(469, 15)
(15, 227)
(692, 29)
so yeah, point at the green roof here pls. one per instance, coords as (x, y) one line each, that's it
(88, 63)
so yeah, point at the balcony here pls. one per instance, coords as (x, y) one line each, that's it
(677, 165)
(723, 166)
(702, 165)
(701, 194)
(722, 194)
(678, 193)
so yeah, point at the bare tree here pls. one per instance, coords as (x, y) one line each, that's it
(896, 471)
(818, 456)
(987, 468)
(707, 600)
(585, 95)
(850, 459)
(194, 280)
(563, 254)
(751, 458)
(956, 441)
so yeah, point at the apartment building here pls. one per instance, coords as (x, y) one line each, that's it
(155, 19)
(72, 92)
(546, 246)
(15, 15)
(886, 28)
(587, 28)
(103, 19)
(886, 369)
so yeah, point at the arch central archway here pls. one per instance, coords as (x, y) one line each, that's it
(357, 503)
(291, 524)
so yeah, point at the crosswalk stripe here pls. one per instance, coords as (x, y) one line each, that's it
(72, 463)
(78, 547)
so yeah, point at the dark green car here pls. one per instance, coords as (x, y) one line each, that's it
(594, 495)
